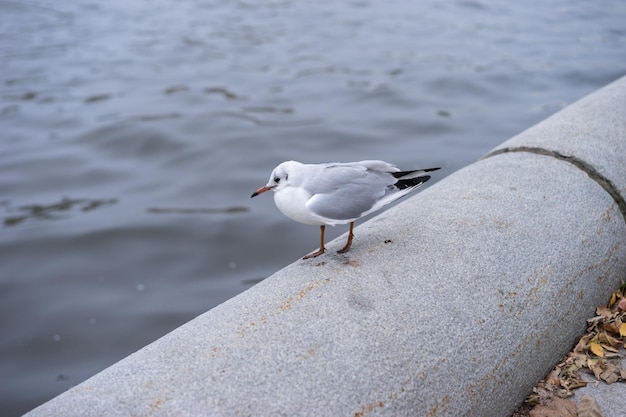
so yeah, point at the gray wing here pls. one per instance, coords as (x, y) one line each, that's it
(343, 192)
(327, 178)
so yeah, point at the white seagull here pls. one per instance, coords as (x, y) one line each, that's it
(338, 193)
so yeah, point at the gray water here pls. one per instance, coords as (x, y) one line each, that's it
(133, 132)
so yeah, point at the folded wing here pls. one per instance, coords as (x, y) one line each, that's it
(342, 193)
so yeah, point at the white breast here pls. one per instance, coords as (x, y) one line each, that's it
(291, 201)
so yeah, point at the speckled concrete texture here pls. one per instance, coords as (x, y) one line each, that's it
(592, 130)
(453, 303)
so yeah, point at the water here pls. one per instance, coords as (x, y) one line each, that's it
(132, 134)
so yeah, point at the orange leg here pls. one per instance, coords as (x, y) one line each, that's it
(322, 249)
(349, 242)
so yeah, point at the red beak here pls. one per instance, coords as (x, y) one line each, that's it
(261, 191)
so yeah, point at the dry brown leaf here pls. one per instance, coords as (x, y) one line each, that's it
(593, 322)
(569, 371)
(605, 339)
(611, 355)
(580, 359)
(558, 407)
(613, 299)
(609, 351)
(611, 327)
(604, 312)
(621, 305)
(594, 366)
(596, 348)
(610, 375)
(563, 393)
(589, 407)
(553, 378)
(622, 330)
(583, 344)
(579, 383)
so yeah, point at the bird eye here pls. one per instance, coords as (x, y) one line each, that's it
(276, 179)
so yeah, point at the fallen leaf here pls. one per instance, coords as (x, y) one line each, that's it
(583, 343)
(594, 366)
(578, 384)
(609, 348)
(593, 322)
(609, 375)
(611, 327)
(604, 338)
(604, 312)
(621, 306)
(580, 360)
(558, 407)
(589, 407)
(570, 370)
(622, 330)
(596, 348)
(553, 378)
(613, 299)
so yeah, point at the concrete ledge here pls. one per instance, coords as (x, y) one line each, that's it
(453, 303)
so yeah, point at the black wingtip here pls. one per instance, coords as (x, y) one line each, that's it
(401, 174)
(412, 182)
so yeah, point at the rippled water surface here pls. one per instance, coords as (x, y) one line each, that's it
(132, 134)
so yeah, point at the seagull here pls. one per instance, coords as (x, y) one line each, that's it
(338, 193)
